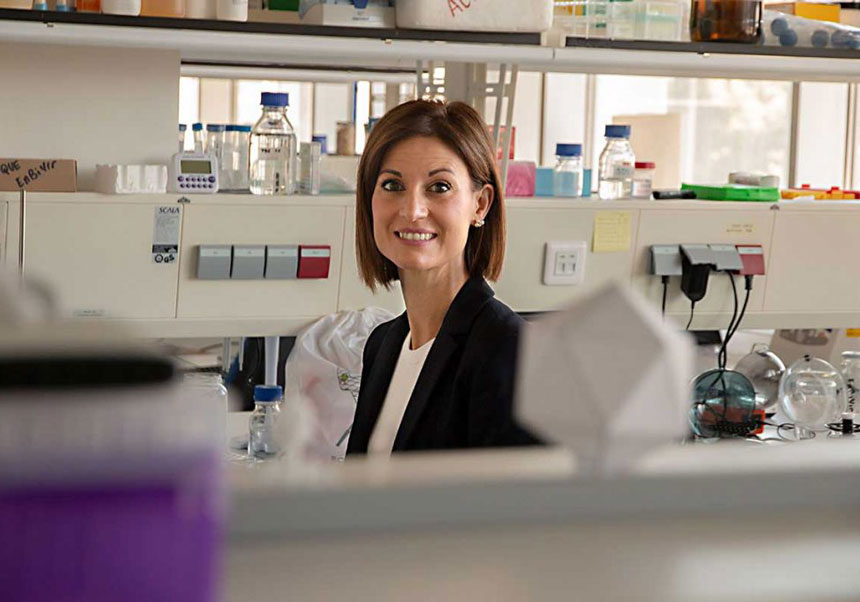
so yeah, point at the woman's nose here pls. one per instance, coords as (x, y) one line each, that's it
(414, 207)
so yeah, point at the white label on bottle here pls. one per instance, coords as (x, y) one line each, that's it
(165, 234)
(622, 172)
(273, 153)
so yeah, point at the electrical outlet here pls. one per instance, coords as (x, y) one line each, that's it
(564, 262)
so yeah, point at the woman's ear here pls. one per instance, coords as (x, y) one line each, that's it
(483, 200)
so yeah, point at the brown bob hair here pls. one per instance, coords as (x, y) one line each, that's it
(460, 128)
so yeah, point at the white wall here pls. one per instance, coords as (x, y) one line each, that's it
(96, 105)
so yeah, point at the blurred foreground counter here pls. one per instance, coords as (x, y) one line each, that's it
(696, 522)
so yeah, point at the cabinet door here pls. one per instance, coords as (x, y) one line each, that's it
(244, 223)
(98, 258)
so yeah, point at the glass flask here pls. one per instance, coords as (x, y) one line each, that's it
(850, 369)
(764, 370)
(723, 404)
(811, 394)
(725, 21)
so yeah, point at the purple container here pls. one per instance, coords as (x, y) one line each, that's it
(148, 538)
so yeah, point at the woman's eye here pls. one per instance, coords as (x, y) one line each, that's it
(440, 187)
(392, 186)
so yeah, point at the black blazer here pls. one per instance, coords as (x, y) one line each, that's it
(464, 395)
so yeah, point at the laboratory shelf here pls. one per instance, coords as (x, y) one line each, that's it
(274, 44)
(686, 59)
(285, 45)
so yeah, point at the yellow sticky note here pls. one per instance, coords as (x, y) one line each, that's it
(854, 333)
(612, 231)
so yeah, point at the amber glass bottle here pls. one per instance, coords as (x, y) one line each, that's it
(725, 21)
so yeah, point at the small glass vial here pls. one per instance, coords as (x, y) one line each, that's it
(850, 369)
(567, 174)
(617, 164)
(215, 140)
(643, 178)
(182, 128)
(309, 162)
(197, 132)
(262, 428)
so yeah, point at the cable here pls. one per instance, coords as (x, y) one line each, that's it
(722, 356)
(665, 281)
(692, 310)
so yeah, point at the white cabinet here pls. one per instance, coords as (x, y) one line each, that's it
(97, 256)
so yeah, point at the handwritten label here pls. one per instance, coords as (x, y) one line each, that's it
(25, 178)
(739, 228)
(459, 6)
(612, 231)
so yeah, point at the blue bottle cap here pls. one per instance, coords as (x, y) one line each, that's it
(232, 128)
(568, 150)
(182, 127)
(268, 393)
(275, 99)
(215, 127)
(197, 127)
(617, 131)
(243, 128)
(40, 6)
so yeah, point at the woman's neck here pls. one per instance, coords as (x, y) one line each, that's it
(428, 295)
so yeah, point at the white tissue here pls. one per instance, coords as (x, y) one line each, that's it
(131, 179)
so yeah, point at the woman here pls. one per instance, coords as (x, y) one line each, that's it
(430, 213)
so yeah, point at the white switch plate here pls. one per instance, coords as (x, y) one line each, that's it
(564, 262)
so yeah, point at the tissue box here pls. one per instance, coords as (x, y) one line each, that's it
(131, 179)
(486, 15)
(521, 179)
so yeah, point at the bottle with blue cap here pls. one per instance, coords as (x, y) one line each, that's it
(215, 133)
(273, 160)
(617, 164)
(567, 174)
(197, 132)
(263, 434)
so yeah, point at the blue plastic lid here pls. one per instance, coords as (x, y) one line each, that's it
(617, 131)
(182, 127)
(568, 150)
(268, 393)
(215, 127)
(323, 140)
(275, 99)
(197, 127)
(243, 128)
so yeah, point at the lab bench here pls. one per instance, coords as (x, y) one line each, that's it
(700, 522)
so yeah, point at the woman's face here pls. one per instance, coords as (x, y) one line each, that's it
(423, 205)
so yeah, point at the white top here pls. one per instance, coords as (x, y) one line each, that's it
(403, 381)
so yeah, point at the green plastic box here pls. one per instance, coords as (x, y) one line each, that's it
(733, 192)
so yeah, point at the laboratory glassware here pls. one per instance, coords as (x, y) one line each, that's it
(182, 129)
(764, 369)
(723, 404)
(850, 368)
(725, 21)
(197, 132)
(567, 174)
(309, 161)
(273, 148)
(617, 163)
(643, 177)
(811, 394)
(210, 390)
(121, 7)
(262, 427)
